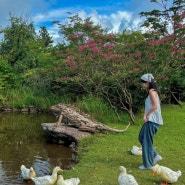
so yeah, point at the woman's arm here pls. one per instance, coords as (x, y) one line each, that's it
(153, 96)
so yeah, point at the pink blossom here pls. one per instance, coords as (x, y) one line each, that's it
(109, 46)
(137, 54)
(96, 49)
(73, 63)
(183, 15)
(87, 25)
(90, 41)
(81, 48)
(150, 56)
(181, 26)
(135, 69)
(92, 45)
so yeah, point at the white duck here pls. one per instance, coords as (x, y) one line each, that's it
(72, 181)
(136, 150)
(168, 175)
(47, 179)
(126, 179)
(27, 173)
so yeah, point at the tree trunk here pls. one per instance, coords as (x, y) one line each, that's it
(73, 117)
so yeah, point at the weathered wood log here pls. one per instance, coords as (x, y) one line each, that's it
(73, 117)
(63, 134)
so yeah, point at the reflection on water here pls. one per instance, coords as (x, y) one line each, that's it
(22, 141)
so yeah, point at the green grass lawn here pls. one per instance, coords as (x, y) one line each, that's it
(102, 154)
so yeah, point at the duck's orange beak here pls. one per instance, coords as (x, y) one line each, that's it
(33, 174)
(164, 183)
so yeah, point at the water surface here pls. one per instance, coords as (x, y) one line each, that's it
(23, 141)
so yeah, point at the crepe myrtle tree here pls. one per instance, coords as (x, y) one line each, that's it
(77, 31)
(94, 63)
(107, 69)
(104, 66)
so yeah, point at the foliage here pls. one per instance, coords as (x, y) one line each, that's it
(28, 96)
(77, 31)
(91, 61)
(169, 19)
(168, 29)
(6, 77)
(100, 110)
(107, 65)
(44, 37)
(17, 38)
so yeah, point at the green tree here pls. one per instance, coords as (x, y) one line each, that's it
(15, 46)
(166, 26)
(167, 20)
(128, 36)
(44, 37)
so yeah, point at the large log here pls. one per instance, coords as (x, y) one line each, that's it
(63, 134)
(73, 117)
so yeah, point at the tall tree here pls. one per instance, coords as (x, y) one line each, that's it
(167, 26)
(44, 36)
(17, 38)
(168, 19)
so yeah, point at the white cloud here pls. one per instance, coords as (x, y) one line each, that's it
(42, 16)
(112, 21)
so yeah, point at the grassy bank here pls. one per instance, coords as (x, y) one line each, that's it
(102, 154)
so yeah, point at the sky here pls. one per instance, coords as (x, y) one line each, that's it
(103, 12)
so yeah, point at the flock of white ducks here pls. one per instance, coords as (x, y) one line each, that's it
(167, 175)
(54, 178)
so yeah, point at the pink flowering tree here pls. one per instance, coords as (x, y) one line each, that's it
(110, 65)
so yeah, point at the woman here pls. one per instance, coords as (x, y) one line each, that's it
(152, 121)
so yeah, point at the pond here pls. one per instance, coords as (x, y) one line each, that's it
(23, 141)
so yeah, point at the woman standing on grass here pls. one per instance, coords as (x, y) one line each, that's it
(152, 121)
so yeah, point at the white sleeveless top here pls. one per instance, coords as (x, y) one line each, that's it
(155, 116)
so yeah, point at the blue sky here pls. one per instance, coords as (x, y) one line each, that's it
(43, 12)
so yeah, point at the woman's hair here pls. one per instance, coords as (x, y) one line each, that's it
(148, 77)
(152, 85)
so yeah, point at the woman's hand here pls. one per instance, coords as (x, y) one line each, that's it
(145, 118)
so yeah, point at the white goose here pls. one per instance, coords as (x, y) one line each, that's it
(27, 173)
(168, 175)
(136, 150)
(72, 181)
(126, 179)
(47, 179)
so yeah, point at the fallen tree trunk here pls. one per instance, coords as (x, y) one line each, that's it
(73, 117)
(63, 134)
